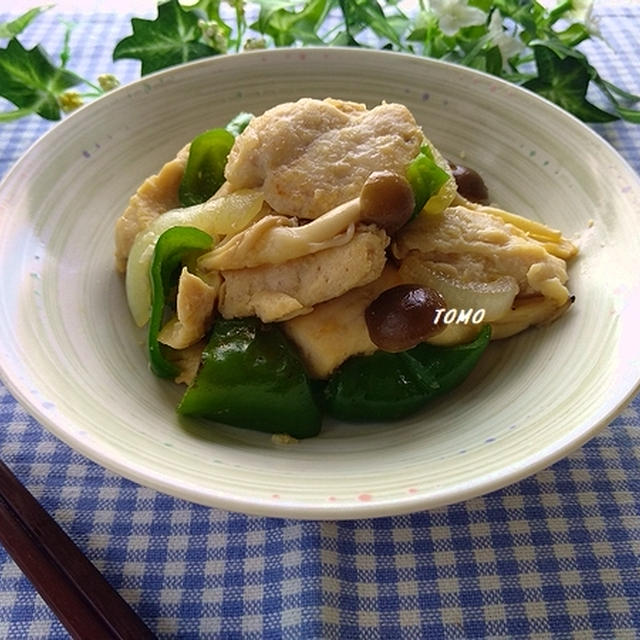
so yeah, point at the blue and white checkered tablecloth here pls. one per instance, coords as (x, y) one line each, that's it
(551, 557)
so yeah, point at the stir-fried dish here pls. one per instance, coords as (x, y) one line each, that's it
(323, 258)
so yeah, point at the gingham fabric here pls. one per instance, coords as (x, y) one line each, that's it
(555, 556)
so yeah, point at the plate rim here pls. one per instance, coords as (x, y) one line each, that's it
(293, 509)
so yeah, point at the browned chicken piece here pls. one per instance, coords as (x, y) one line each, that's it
(336, 329)
(188, 362)
(466, 246)
(156, 195)
(195, 305)
(310, 159)
(474, 246)
(311, 155)
(281, 291)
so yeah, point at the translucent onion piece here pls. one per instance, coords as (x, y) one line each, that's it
(224, 215)
(495, 297)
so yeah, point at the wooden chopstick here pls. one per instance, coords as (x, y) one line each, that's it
(86, 604)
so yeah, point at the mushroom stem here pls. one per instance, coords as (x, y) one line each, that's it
(275, 239)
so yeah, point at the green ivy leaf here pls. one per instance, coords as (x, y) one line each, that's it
(369, 14)
(485, 5)
(628, 114)
(172, 38)
(210, 8)
(529, 14)
(16, 114)
(426, 31)
(565, 81)
(489, 61)
(17, 26)
(613, 93)
(574, 34)
(32, 82)
(613, 89)
(285, 26)
(344, 39)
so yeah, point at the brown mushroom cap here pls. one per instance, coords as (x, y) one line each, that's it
(403, 316)
(386, 199)
(470, 184)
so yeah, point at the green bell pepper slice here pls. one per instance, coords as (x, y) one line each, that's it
(425, 177)
(389, 386)
(204, 171)
(174, 247)
(251, 377)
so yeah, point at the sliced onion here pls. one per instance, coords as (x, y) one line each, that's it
(495, 297)
(224, 215)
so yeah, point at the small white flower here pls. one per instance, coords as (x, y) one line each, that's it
(453, 15)
(507, 44)
(579, 9)
(582, 11)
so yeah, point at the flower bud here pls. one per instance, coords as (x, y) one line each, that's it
(108, 81)
(213, 35)
(70, 100)
(255, 43)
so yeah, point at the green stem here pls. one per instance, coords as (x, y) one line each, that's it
(559, 11)
(8, 116)
(95, 87)
(240, 23)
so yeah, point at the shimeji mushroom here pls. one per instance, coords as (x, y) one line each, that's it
(386, 199)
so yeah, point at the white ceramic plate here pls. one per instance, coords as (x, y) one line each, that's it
(71, 355)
